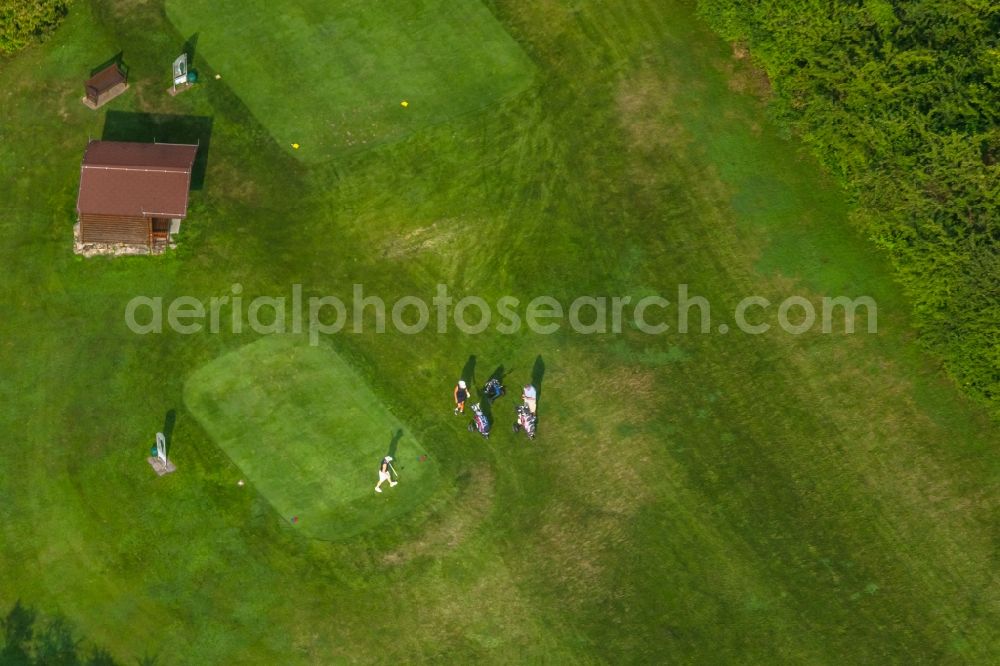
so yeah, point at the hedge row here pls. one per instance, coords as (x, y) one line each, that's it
(902, 100)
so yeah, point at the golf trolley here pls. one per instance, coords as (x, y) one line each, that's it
(526, 421)
(480, 423)
(493, 390)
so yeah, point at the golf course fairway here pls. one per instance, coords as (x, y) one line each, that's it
(713, 496)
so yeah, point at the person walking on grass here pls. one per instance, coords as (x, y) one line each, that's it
(461, 395)
(530, 397)
(383, 474)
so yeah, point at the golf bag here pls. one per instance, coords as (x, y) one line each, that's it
(479, 423)
(493, 389)
(526, 421)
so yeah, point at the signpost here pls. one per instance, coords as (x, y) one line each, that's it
(180, 70)
(181, 77)
(161, 447)
(159, 462)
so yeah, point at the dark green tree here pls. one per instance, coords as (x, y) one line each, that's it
(901, 99)
(25, 21)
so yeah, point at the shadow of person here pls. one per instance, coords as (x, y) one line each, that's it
(469, 372)
(487, 401)
(487, 408)
(537, 375)
(394, 443)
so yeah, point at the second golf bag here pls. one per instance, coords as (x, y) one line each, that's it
(479, 423)
(526, 421)
(493, 389)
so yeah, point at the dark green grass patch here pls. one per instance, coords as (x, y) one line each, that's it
(309, 434)
(333, 77)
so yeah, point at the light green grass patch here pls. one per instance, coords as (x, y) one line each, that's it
(309, 434)
(332, 76)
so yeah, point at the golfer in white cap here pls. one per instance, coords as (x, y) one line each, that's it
(461, 395)
(383, 474)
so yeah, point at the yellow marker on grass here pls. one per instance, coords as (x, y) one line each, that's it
(295, 146)
(404, 104)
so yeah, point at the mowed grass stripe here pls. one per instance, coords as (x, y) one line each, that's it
(331, 77)
(309, 433)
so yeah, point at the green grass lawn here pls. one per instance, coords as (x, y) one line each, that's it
(332, 76)
(699, 498)
(309, 434)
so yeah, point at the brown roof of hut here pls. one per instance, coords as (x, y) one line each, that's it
(135, 179)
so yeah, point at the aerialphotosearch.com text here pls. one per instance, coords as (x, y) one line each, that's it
(320, 316)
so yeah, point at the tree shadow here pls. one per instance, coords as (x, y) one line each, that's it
(163, 128)
(537, 375)
(394, 443)
(18, 631)
(27, 644)
(55, 644)
(116, 59)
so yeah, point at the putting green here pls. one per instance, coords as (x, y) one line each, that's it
(309, 434)
(333, 77)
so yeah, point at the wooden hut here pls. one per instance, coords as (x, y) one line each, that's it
(134, 193)
(104, 86)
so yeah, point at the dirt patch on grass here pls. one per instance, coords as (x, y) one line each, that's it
(527, 17)
(431, 238)
(487, 610)
(234, 184)
(601, 474)
(625, 395)
(646, 107)
(743, 76)
(579, 545)
(470, 508)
